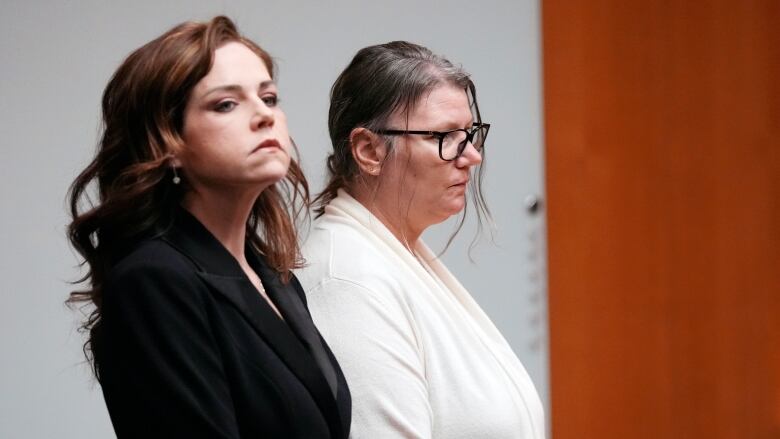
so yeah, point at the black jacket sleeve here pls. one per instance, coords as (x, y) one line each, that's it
(158, 362)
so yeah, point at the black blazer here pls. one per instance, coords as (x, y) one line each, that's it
(187, 347)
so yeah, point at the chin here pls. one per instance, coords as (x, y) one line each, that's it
(457, 205)
(451, 210)
(274, 170)
(275, 177)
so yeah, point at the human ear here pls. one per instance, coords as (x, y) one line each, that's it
(368, 150)
(174, 153)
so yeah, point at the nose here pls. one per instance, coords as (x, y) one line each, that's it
(263, 115)
(469, 157)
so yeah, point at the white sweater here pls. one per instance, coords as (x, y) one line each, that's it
(422, 360)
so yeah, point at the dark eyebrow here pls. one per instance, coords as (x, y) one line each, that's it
(236, 88)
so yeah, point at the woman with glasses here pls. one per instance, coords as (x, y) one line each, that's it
(199, 328)
(421, 358)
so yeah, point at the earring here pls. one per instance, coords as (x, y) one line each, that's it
(176, 179)
(372, 170)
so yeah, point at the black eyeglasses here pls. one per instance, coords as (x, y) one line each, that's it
(451, 143)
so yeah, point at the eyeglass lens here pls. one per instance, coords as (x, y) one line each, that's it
(453, 143)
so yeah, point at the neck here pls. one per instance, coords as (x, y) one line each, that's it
(393, 213)
(225, 215)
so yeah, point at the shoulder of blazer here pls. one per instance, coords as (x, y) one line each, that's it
(154, 254)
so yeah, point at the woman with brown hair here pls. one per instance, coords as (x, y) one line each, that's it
(422, 359)
(199, 328)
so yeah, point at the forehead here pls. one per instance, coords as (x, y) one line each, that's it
(446, 106)
(235, 63)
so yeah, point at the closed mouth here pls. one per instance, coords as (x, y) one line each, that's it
(270, 143)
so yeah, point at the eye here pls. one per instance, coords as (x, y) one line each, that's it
(451, 137)
(225, 106)
(271, 100)
(437, 136)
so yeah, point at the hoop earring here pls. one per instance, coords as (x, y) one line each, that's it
(176, 179)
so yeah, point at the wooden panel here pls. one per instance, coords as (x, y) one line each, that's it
(663, 182)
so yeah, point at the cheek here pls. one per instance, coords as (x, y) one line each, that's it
(426, 184)
(281, 124)
(196, 132)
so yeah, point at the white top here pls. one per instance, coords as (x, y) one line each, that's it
(422, 360)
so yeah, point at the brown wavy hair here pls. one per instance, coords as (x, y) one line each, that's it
(143, 116)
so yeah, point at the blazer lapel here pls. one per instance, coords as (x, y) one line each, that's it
(290, 304)
(288, 338)
(322, 380)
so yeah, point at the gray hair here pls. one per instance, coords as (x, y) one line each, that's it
(383, 80)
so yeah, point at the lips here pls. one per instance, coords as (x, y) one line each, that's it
(269, 143)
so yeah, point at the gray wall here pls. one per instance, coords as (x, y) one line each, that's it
(55, 59)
